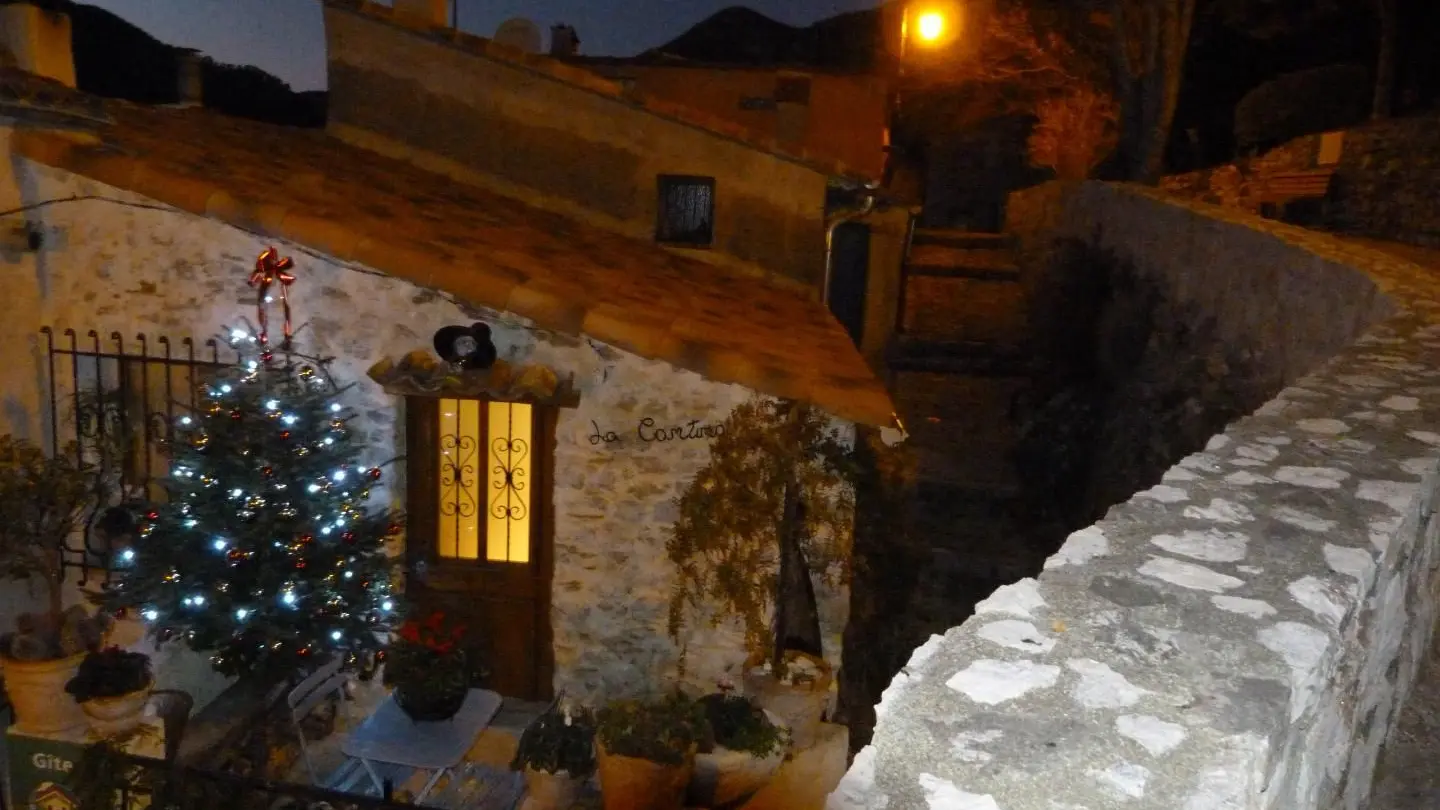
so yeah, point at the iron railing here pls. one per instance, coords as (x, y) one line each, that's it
(116, 402)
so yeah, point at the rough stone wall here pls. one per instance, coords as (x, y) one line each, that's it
(1243, 633)
(1383, 185)
(109, 266)
(565, 147)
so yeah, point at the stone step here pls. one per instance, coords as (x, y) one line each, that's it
(962, 239)
(944, 260)
(966, 358)
(961, 429)
(965, 309)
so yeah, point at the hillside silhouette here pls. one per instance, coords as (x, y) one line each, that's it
(115, 59)
(742, 36)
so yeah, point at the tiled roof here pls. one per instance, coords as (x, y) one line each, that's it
(28, 97)
(483, 248)
(581, 77)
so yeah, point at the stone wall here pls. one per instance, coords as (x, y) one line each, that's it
(115, 264)
(563, 144)
(1383, 186)
(1243, 633)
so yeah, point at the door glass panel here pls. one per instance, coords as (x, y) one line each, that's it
(460, 477)
(508, 522)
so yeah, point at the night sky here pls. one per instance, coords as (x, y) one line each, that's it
(286, 37)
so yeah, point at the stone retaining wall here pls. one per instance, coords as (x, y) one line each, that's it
(1243, 633)
(1383, 185)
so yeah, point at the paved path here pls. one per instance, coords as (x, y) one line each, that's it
(1408, 777)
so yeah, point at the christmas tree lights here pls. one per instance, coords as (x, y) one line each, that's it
(265, 554)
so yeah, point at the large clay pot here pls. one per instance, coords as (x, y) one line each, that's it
(550, 791)
(629, 783)
(37, 692)
(801, 706)
(112, 716)
(725, 778)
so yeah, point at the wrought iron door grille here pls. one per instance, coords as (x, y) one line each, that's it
(117, 401)
(686, 211)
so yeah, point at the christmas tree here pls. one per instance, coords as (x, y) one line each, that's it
(265, 554)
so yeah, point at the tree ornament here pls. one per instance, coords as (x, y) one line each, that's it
(375, 473)
(236, 415)
(348, 537)
(284, 434)
(268, 472)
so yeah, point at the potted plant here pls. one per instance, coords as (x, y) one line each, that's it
(111, 687)
(427, 668)
(771, 513)
(645, 752)
(557, 754)
(42, 504)
(740, 755)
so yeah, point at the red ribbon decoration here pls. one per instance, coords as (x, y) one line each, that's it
(272, 269)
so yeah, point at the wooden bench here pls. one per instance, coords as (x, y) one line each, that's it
(1280, 189)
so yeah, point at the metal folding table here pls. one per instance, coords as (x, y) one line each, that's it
(389, 736)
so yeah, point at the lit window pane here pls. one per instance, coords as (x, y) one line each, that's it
(460, 495)
(507, 534)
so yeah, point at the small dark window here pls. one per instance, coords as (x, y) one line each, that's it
(792, 90)
(687, 211)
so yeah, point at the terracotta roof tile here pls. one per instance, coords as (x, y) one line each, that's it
(581, 77)
(488, 250)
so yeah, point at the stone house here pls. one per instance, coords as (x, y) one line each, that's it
(141, 225)
(632, 160)
(843, 116)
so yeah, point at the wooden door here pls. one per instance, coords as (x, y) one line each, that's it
(478, 531)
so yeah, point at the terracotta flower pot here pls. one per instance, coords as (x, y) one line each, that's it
(110, 716)
(800, 706)
(630, 783)
(550, 791)
(725, 778)
(37, 693)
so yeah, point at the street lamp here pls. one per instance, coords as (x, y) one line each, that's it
(930, 26)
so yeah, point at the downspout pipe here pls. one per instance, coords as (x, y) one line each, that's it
(831, 225)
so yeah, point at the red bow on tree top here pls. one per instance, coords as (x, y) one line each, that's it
(272, 269)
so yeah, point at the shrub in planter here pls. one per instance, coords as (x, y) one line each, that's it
(646, 751)
(557, 754)
(43, 500)
(770, 514)
(742, 751)
(111, 687)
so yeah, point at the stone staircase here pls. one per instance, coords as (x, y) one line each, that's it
(958, 360)
(958, 363)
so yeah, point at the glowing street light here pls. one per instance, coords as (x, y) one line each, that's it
(930, 26)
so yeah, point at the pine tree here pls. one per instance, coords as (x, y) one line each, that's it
(265, 554)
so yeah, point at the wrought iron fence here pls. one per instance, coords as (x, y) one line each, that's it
(114, 402)
(108, 779)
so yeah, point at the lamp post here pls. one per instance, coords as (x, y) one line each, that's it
(932, 24)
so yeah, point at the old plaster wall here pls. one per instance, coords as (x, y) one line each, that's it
(840, 116)
(1243, 633)
(562, 145)
(109, 265)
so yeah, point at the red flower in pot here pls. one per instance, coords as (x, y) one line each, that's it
(428, 668)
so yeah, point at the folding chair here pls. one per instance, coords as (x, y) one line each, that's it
(321, 685)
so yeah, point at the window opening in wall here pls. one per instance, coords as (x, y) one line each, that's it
(485, 482)
(686, 211)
